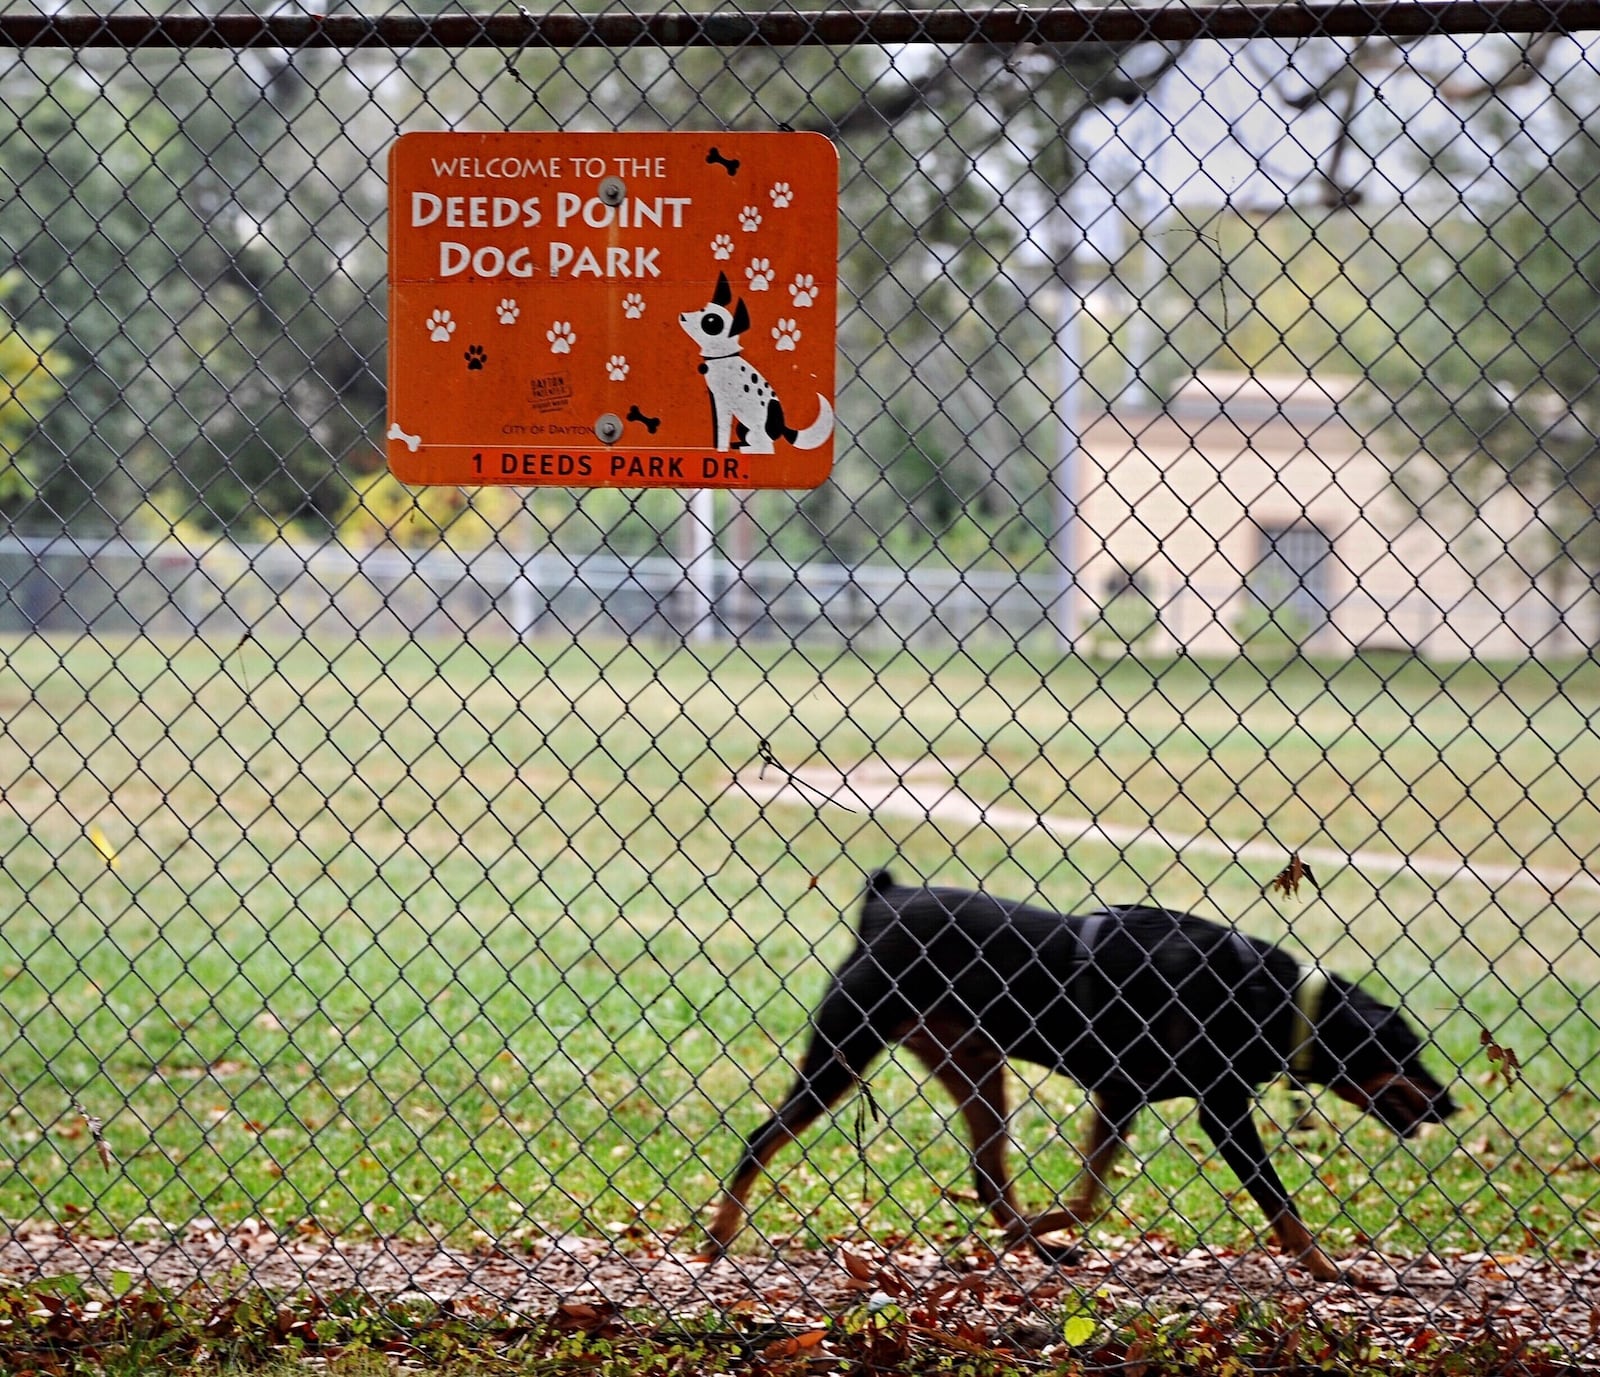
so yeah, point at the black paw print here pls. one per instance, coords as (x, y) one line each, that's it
(475, 356)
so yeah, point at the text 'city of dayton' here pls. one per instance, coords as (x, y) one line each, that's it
(557, 258)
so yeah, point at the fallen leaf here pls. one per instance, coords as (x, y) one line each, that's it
(103, 845)
(858, 1267)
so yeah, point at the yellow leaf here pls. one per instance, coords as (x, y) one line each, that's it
(103, 845)
(1078, 1329)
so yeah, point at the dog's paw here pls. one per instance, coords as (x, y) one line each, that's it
(1058, 1254)
(1031, 1233)
(1322, 1267)
(1315, 1261)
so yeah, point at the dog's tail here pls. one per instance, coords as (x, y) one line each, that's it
(818, 431)
(876, 911)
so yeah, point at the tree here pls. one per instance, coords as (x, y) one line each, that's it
(957, 170)
(1491, 377)
(29, 383)
(184, 241)
(1495, 380)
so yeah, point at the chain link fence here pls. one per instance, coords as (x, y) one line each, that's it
(430, 890)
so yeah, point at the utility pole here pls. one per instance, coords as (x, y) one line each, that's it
(1066, 610)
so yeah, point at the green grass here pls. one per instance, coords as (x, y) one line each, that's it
(478, 938)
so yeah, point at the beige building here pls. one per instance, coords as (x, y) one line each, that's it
(1253, 493)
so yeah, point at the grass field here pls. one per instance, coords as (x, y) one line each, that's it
(478, 939)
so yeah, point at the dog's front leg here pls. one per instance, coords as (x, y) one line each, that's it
(1227, 1122)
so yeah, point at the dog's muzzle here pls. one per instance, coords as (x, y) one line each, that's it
(1404, 1105)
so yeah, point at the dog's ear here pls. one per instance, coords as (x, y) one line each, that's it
(880, 882)
(741, 319)
(724, 293)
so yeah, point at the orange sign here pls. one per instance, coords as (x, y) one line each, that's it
(612, 309)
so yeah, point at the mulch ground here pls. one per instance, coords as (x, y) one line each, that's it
(1540, 1301)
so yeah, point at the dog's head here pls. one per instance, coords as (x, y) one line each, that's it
(715, 328)
(1373, 1059)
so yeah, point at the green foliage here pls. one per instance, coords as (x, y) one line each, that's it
(218, 312)
(1126, 625)
(1080, 1320)
(199, 238)
(1495, 373)
(29, 383)
(1271, 626)
(1476, 325)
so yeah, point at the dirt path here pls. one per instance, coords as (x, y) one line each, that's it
(927, 791)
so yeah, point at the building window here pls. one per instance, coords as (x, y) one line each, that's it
(1292, 573)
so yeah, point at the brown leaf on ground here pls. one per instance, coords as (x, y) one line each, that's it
(1533, 1300)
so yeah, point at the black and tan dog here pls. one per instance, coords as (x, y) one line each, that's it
(1135, 1004)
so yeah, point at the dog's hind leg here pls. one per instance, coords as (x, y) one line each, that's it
(973, 1072)
(1227, 1122)
(848, 1034)
(1108, 1136)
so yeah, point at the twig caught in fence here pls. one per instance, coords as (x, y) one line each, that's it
(764, 750)
(96, 1129)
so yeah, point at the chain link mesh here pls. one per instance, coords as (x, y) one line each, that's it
(389, 874)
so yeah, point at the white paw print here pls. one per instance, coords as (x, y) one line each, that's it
(508, 311)
(617, 367)
(722, 247)
(441, 327)
(782, 194)
(760, 274)
(561, 337)
(803, 289)
(786, 333)
(750, 219)
(633, 305)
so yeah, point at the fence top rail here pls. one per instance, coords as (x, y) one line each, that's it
(1117, 24)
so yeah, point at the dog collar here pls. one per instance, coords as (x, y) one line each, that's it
(1307, 1008)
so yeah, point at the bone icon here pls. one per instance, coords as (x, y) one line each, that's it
(649, 422)
(732, 164)
(412, 441)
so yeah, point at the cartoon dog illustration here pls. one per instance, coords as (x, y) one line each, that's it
(745, 410)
